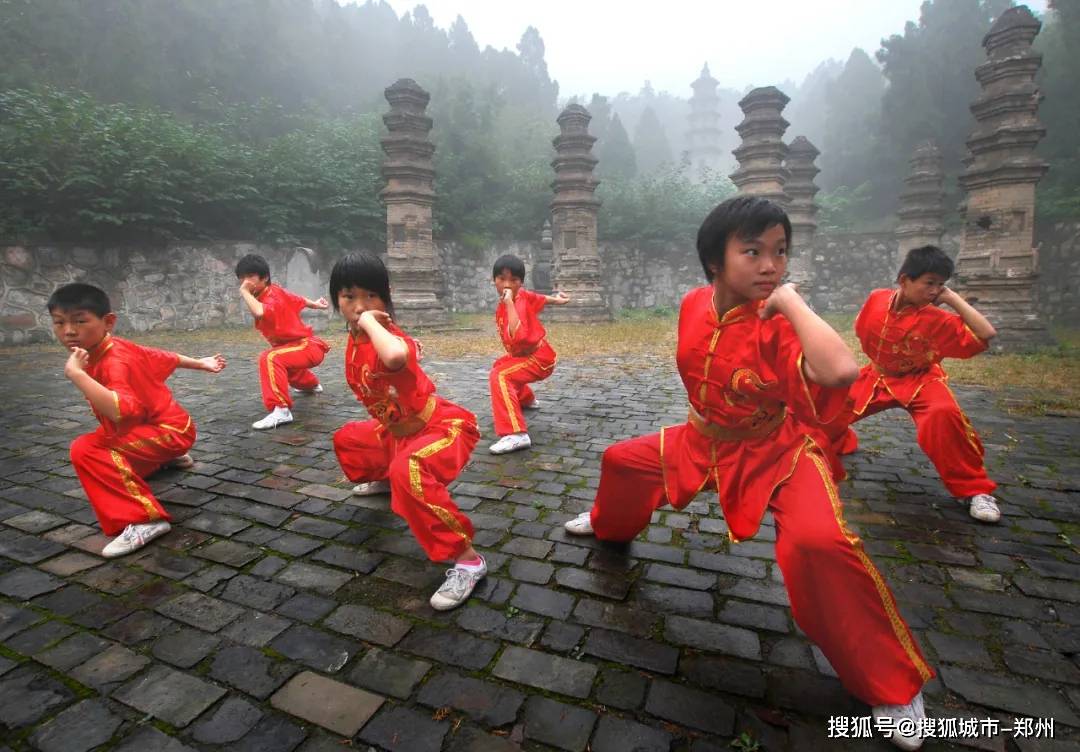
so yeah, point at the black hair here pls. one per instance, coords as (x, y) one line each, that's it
(253, 264)
(746, 217)
(364, 270)
(510, 263)
(926, 259)
(79, 296)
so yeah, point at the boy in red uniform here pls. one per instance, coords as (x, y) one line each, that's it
(142, 428)
(294, 349)
(753, 357)
(906, 336)
(528, 357)
(416, 442)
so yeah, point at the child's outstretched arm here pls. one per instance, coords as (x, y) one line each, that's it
(559, 298)
(212, 363)
(826, 359)
(253, 305)
(321, 304)
(392, 351)
(104, 400)
(976, 322)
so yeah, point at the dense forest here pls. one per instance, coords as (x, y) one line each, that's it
(163, 119)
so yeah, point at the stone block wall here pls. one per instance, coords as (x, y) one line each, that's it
(1058, 284)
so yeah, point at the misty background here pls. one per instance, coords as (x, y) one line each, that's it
(261, 119)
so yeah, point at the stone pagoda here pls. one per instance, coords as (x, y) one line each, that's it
(703, 136)
(922, 204)
(802, 211)
(762, 151)
(575, 257)
(409, 194)
(998, 262)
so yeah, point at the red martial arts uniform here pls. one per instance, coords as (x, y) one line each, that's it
(905, 348)
(528, 358)
(416, 439)
(293, 347)
(112, 461)
(745, 382)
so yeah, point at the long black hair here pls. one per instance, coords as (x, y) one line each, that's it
(364, 270)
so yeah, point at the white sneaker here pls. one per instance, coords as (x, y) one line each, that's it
(135, 537)
(983, 507)
(371, 488)
(277, 417)
(534, 405)
(511, 443)
(904, 720)
(580, 525)
(459, 584)
(317, 389)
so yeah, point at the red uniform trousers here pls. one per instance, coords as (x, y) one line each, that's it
(837, 595)
(942, 429)
(112, 468)
(509, 382)
(419, 468)
(287, 365)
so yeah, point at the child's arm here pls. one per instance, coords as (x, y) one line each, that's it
(392, 351)
(321, 304)
(512, 320)
(104, 400)
(211, 363)
(559, 298)
(253, 305)
(826, 359)
(976, 322)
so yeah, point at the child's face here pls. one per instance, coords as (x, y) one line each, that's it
(353, 301)
(258, 284)
(81, 328)
(753, 268)
(505, 280)
(922, 290)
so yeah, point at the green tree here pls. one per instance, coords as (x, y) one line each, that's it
(616, 153)
(651, 145)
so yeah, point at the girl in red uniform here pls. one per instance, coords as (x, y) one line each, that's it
(416, 442)
(759, 368)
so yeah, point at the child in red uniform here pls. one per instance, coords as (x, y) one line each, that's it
(142, 428)
(416, 442)
(906, 336)
(753, 356)
(528, 357)
(293, 347)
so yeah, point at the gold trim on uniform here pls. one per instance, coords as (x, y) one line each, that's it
(416, 482)
(272, 353)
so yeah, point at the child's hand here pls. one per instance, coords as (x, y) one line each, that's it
(507, 295)
(322, 304)
(382, 318)
(947, 296)
(247, 285)
(560, 298)
(212, 363)
(76, 362)
(779, 299)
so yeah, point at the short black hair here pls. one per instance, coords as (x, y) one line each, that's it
(79, 296)
(364, 270)
(253, 263)
(510, 263)
(926, 259)
(743, 216)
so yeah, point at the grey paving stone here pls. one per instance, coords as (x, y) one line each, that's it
(255, 628)
(115, 578)
(548, 672)
(184, 647)
(635, 621)
(718, 638)
(536, 549)
(316, 527)
(78, 729)
(70, 563)
(72, 651)
(1008, 693)
(560, 725)
(294, 545)
(210, 578)
(621, 689)
(268, 566)
(328, 703)
(954, 649)
(38, 638)
(596, 583)
(137, 627)
(690, 707)
(400, 729)
(229, 553)
(14, 619)
(274, 733)
(149, 739)
(724, 674)
(367, 624)
(674, 600)
(543, 601)
(306, 607)
(562, 637)
(27, 695)
(231, 720)
(170, 695)
(451, 648)
(312, 647)
(310, 577)
(249, 670)
(516, 627)
(112, 665)
(536, 572)
(23, 583)
(200, 611)
(755, 616)
(468, 739)
(168, 564)
(363, 562)
(485, 702)
(619, 735)
(385, 673)
(633, 651)
(255, 593)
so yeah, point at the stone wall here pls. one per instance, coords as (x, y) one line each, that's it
(1058, 285)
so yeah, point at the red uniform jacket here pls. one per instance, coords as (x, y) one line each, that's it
(906, 347)
(281, 322)
(530, 332)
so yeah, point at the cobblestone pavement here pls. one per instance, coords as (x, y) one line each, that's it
(282, 613)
